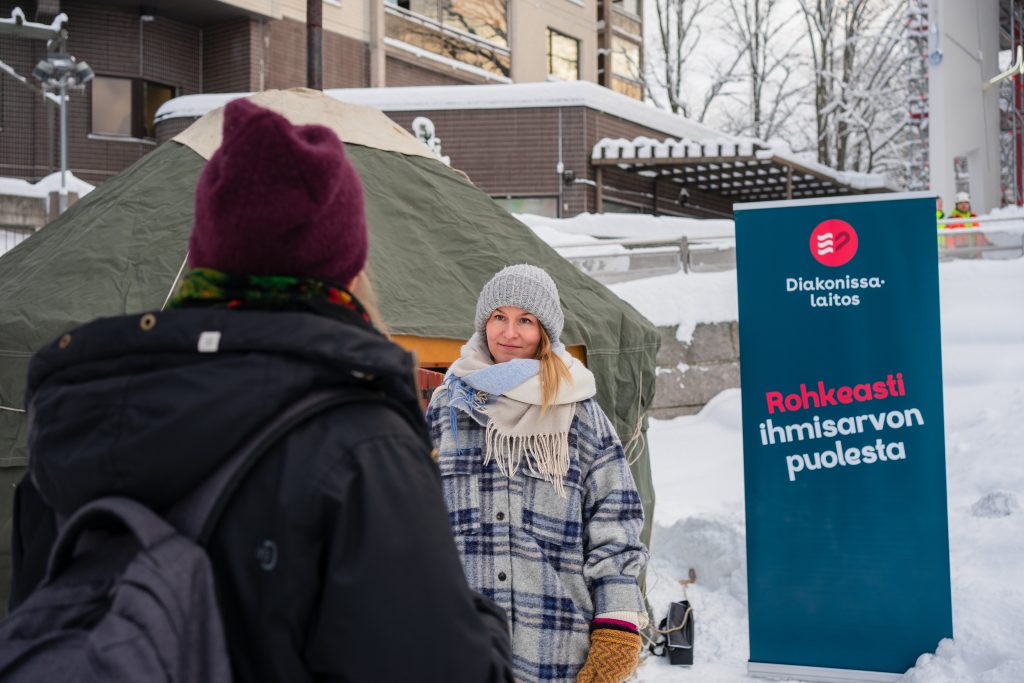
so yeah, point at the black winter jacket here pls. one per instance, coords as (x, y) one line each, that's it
(334, 560)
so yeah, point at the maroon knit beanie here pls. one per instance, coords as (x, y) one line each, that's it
(278, 199)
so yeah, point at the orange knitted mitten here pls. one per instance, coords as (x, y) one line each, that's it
(613, 656)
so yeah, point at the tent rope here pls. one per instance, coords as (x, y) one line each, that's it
(13, 410)
(175, 282)
(634, 447)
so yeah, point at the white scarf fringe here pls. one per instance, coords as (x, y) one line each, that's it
(550, 454)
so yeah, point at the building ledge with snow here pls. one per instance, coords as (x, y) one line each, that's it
(565, 148)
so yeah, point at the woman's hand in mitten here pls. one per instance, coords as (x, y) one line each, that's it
(613, 656)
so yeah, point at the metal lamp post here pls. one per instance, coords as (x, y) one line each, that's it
(59, 72)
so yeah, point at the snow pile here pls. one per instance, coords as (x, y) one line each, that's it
(683, 299)
(35, 30)
(651, 148)
(17, 187)
(1009, 219)
(697, 464)
(627, 225)
(553, 236)
(573, 247)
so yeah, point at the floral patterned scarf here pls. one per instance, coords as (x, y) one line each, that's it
(206, 287)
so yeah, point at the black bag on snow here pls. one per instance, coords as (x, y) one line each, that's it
(676, 634)
(129, 594)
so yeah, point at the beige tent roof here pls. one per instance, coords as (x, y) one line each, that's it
(353, 123)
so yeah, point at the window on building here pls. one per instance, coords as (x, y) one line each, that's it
(626, 59)
(627, 68)
(961, 174)
(127, 106)
(484, 19)
(563, 56)
(112, 105)
(473, 32)
(154, 97)
(538, 206)
(427, 8)
(487, 19)
(632, 6)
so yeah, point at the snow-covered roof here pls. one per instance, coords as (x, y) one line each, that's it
(685, 138)
(17, 26)
(489, 96)
(745, 168)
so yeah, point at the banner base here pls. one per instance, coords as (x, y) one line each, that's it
(818, 674)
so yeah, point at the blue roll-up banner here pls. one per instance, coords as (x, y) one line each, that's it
(843, 446)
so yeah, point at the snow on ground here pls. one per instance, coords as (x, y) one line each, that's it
(697, 298)
(620, 225)
(570, 245)
(697, 464)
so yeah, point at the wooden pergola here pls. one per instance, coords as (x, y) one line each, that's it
(747, 175)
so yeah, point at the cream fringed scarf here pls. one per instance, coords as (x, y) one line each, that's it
(506, 399)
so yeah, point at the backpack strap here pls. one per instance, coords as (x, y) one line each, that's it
(109, 512)
(197, 514)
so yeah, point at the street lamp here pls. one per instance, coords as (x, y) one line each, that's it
(60, 72)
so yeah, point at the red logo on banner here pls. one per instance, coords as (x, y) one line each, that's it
(834, 242)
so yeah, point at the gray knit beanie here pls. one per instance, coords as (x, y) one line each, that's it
(526, 287)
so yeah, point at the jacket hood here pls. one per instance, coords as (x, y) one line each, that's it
(146, 406)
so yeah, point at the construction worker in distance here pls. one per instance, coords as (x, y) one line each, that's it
(962, 209)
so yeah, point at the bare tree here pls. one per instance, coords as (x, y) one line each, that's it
(827, 76)
(878, 101)
(821, 17)
(859, 56)
(680, 34)
(759, 31)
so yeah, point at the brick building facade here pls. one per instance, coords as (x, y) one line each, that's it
(526, 141)
(146, 53)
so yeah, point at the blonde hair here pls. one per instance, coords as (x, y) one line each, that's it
(363, 290)
(552, 370)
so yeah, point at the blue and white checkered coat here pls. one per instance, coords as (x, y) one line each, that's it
(551, 562)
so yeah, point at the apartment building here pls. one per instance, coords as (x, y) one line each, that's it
(146, 52)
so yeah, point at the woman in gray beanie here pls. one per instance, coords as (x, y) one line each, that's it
(540, 498)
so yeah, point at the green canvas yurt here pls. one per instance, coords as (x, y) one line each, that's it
(435, 239)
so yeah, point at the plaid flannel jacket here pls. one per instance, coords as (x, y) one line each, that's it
(551, 562)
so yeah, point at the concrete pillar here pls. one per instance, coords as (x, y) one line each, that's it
(378, 51)
(964, 118)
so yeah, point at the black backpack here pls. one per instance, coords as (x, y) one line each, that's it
(129, 594)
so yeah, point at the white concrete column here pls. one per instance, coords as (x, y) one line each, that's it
(964, 118)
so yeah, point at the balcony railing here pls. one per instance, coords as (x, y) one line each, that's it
(433, 36)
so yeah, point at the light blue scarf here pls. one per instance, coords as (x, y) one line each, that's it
(505, 398)
(477, 388)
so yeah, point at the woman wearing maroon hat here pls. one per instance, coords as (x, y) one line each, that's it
(333, 559)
